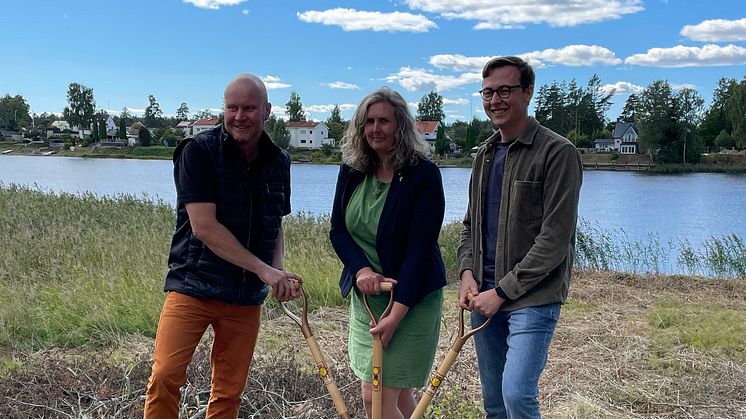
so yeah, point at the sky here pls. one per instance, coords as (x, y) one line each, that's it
(336, 51)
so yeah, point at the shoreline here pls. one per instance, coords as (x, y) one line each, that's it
(302, 157)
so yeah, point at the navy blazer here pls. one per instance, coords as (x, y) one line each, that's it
(407, 237)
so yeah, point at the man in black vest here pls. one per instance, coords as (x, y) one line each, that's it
(233, 188)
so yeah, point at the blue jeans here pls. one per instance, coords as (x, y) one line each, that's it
(512, 353)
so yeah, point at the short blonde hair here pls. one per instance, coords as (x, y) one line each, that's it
(408, 147)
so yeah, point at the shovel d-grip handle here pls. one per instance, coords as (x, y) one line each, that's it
(436, 379)
(377, 375)
(318, 357)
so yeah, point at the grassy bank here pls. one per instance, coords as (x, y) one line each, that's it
(87, 269)
(81, 279)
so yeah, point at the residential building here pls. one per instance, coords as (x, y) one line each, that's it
(204, 124)
(624, 140)
(308, 134)
(625, 137)
(185, 127)
(603, 145)
(428, 131)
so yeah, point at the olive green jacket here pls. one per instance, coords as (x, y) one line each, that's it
(538, 214)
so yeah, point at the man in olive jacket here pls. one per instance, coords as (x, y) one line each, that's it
(517, 244)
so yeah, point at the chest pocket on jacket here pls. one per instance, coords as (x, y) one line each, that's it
(526, 202)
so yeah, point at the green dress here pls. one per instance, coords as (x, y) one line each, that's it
(408, 359)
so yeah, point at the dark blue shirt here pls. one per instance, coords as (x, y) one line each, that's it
(492, 213)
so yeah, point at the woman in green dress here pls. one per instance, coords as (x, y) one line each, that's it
(387, 214)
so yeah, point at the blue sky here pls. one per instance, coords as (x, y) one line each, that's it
(335, 52)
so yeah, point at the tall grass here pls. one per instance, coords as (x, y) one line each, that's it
(611, 249)
(84, 269)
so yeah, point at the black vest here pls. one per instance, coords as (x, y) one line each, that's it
(193, 268)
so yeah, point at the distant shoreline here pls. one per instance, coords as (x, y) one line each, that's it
(590, 161)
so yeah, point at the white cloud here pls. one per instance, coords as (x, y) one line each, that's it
(213, 4)
(245, 11)
(455, 116)
(573, 56)
(135, 111)
(279, 112)
(716, 30)
(508, 14)
(622, 88)
(458, 62)
(459, 101)
(274, 82)
(682, 86)
(360, 20)
(570, 55)
(343, 85)
(681, 56)
(328, 108)
(415, 79)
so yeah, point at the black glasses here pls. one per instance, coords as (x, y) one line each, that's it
(503, 92)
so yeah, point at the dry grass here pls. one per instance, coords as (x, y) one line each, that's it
(607, 360)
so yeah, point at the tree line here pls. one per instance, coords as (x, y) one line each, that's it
(673, 124)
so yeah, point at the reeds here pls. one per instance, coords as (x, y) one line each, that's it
(81, 269)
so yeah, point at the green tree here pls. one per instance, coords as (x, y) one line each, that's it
(658, 121)
(724, 140)
(125, 114)
(336, 125)
(182, 114)
(102, 134)
(44, 120)
(430, 107)
(81, 106)
(691, 107)
(294, 108)
(153, 113)
(280, 134)
(336, 116)
(143, 135)
(204, 114)
(631, 108)
(441, 143)
(14, 113)
(552, 107)
(122, 127)
(735, 112)
(716, 120)
(94, 130)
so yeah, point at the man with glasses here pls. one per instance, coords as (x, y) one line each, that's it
(517, 244)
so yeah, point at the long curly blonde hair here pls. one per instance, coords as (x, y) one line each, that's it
(409, 145)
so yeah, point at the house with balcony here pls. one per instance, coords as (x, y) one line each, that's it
(308, 134)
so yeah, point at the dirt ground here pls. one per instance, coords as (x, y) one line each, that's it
(605, 362)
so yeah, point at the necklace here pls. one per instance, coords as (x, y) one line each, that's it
(377, 189)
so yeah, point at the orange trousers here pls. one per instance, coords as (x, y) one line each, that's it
(183, 321)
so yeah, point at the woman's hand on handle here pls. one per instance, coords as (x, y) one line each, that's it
(387, 326)
(368, 281)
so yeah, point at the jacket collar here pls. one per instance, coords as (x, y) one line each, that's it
(526, 137)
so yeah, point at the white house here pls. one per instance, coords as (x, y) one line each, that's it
(185, 127)
(308, 134)
(204, 124)
(603, 145)
(625, 137)
(111, 127)
(428, 131)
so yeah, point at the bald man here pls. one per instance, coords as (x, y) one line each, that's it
(233, 188)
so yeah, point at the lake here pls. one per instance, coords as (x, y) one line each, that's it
(690, 207)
